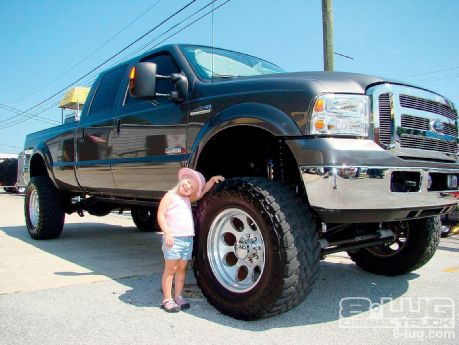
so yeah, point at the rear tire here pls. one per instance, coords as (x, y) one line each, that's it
(257, 251)
(145, 219)
(422, 237)
(43, 208)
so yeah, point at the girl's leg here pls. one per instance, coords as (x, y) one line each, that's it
(170, 269)
(180, 277)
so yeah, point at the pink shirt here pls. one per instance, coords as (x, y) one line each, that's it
(179, 216)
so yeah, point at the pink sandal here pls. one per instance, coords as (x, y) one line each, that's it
(170, 306)
(182, 303)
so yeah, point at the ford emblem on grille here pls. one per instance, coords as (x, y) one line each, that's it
(438, 126)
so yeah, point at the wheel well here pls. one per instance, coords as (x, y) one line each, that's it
(37, 166)
(248, 151)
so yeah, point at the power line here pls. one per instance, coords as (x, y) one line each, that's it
(175, 33)
(12, 146)
(345, 56)
(107, 60)
(41, 111)
(450, 76)
(162, 34)
(433, 72)
(179, 31)
(149, 43)
(17, 111)
(91, 54)
(32, 116)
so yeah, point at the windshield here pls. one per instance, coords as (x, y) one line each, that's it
(226, 64)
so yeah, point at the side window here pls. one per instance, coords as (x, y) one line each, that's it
(104, 98)
(165, 65)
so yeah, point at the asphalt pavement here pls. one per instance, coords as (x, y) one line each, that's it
(99, 283)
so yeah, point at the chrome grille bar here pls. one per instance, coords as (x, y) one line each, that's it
(427, 105)
(385, 122)
(450, 129)
(415, 122)
(423, 143)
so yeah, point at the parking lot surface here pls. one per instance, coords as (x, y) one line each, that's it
(100, 282)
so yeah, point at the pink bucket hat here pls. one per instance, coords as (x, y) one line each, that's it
(195, 175)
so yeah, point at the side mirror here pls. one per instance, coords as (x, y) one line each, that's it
(142, 80)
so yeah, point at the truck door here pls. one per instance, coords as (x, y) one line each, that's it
(150, 142)
(94, 136)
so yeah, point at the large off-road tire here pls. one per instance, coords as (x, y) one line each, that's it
(145, 219)
(257, 248)
(416, 244)
(44, 209)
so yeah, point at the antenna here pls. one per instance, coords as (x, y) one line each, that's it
(212, 41)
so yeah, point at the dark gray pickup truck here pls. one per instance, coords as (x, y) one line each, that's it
(316, 163)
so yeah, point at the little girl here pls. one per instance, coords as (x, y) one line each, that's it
(176, 221)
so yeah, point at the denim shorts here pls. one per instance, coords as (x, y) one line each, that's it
(181, 250)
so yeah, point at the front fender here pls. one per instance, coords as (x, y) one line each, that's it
(257, 115)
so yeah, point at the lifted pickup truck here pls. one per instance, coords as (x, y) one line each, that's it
(315, 163)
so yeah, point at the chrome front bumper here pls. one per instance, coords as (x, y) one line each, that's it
(356, 194)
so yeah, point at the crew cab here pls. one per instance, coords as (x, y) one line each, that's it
(315, 163)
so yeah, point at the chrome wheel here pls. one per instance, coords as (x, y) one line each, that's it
(236, 250)
(445, 229)
(34, 208)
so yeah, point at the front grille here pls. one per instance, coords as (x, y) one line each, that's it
(385, 121)
(412, 122)
(427, 105)
(423, 143)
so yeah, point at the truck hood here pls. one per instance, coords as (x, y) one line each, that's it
(335, 81)
(347, 82)
(320, 82)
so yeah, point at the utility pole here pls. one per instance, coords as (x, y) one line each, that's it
(327, 22)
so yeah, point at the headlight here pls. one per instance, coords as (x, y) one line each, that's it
(335, 114)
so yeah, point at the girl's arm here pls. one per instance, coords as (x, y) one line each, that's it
(209, 184)
(163, 205)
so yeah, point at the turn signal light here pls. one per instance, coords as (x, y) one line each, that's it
(319, 106)
(319, 124)
(132, 79)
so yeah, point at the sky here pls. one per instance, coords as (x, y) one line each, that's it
(47, 45)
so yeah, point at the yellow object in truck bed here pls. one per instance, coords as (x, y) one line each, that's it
(74, 98)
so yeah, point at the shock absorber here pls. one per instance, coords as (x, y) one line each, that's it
(280, 161)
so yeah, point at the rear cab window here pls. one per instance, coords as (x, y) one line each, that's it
(107, 90)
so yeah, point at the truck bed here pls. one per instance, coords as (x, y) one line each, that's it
(42, 136)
